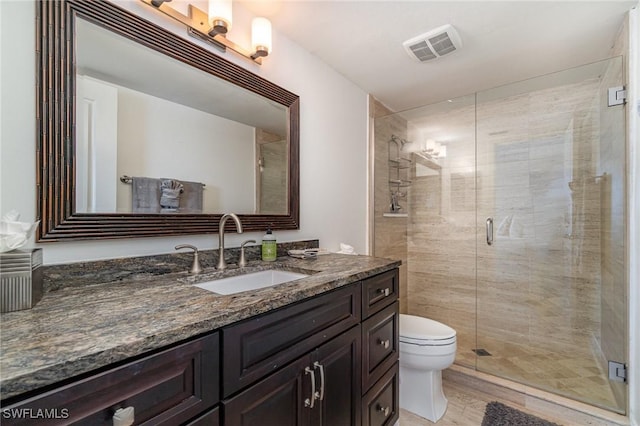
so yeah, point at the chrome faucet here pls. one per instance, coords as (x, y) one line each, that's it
(223, 220)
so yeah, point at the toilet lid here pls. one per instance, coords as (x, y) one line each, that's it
(420, 328)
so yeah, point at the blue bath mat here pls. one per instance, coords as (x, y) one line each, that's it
(498, 414)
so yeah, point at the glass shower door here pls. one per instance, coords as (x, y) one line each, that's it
(550, 169)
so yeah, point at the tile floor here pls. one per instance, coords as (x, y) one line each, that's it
(469, 397)
(574, 375)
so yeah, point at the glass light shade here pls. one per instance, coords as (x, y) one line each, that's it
(220, 10)
(261, 34)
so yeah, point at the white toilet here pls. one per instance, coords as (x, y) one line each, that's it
(426, 348)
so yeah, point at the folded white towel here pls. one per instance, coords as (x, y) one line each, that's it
(346, 249)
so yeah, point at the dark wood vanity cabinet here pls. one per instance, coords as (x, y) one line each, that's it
(321, 386)
(167, 388)
(258, 346)
(380, 353)
(331, 359)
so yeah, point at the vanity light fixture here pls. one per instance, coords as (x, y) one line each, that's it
(433, 150)
(213, 26)
(220, 17)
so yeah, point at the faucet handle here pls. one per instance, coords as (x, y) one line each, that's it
(243, 261)
(195, 267)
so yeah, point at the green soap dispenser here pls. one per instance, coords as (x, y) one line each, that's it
(269, 247)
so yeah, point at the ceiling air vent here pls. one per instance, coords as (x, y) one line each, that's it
(433, 44)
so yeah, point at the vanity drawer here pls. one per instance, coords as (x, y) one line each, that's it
(380, 344)
(166, 388)
(380, 406)
(258, 346)
(379, 291)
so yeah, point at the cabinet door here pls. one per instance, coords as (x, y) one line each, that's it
(166, 388)
(278, 400)
(255, 347)
(337, 367)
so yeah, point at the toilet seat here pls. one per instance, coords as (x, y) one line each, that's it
(428, 342)
(421, 331)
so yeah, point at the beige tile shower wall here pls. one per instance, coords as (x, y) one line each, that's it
(390, 235)
(272, 178)
(539, 284)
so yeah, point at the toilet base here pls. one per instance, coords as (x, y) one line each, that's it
(421, 393)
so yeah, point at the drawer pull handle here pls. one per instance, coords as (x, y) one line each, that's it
(124, 416)
(384, 410)
(384, 343)
(384, 291)
(309, 402)
(320, 395)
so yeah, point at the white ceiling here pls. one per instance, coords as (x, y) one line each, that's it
(503, 41)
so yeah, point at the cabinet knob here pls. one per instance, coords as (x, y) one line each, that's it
(124, 416)
(384, 291)
(384, 410)
(384, 343)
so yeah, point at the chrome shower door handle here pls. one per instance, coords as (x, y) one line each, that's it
(489, 231)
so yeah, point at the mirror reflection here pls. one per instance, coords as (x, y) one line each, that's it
(154, 135)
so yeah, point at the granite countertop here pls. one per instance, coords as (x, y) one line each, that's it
(77, 329)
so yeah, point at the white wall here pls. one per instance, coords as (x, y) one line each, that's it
(333, 141)
(162, 139)
(96, 146)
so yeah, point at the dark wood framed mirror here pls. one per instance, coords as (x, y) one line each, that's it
(57, 126)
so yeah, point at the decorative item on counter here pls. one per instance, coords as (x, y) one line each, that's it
(311, 253)
(170, 197)
(269, 247)
(20, 279)
(14, 234)
(346, 249)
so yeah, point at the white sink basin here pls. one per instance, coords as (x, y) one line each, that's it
(251, 281)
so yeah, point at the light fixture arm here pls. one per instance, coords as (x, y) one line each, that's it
(198, 26)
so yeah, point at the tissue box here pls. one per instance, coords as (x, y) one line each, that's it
(20, 279)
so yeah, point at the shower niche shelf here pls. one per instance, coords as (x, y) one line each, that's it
(399, 171)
